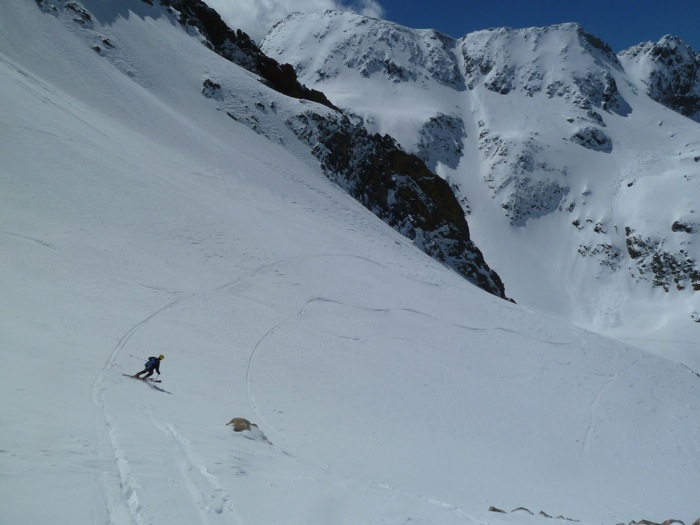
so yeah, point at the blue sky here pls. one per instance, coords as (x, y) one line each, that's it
(620, 23)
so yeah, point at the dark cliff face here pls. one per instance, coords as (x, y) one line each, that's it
(240, 49)
(398, 188)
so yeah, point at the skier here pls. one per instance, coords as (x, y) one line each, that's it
(152, 364)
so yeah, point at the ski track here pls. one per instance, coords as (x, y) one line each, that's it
(128, 483)
(108, 441)
(107, 437)
(595, 404)
(214, 504)
(341, 480)
(28, 238)
(300, 313)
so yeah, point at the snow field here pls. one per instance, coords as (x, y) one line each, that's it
(138, 219)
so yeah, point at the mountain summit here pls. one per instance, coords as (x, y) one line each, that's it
(579, 169)
(669, 72)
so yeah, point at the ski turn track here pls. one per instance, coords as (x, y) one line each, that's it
(184, 491)
(180, 491)
(613, 377)
(118, 500)
(214, 504)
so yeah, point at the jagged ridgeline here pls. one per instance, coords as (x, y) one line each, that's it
(547, 126)
(393, 184)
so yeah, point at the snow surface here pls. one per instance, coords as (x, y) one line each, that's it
(137, 218)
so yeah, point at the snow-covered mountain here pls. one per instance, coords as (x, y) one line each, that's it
(669, 72)
(155, 199)
(579, 169)
(395, 185)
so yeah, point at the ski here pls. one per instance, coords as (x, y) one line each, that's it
(148, 379)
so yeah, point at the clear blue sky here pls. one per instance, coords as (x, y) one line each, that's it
(620, 23)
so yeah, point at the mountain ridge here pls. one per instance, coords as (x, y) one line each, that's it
(550, 130)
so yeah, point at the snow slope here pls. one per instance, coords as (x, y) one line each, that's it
(136, 218)
(582, 191)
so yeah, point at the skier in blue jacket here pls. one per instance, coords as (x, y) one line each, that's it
(153, 364)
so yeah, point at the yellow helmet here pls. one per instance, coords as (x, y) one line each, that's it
(161, 357)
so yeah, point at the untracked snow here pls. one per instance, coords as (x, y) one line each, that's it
(138, 218)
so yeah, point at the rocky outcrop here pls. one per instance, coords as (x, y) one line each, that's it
(593, 138)
(248, 430)
(525, 510)
(398, 188)
(239, 424)
(665, 522)
(441, 140)
(240, 49)
(684, 226)
(527, 187)
(607, 255)
(661, 267)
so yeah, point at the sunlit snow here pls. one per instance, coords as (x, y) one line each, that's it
(136, 218)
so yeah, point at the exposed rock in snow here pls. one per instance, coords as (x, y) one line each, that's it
(607, 255)
(211, 89)
(248, 429)
(239, 424)
(659, 266)
(528, 188)
(683, 226)
(593, 138)
(442, 140)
